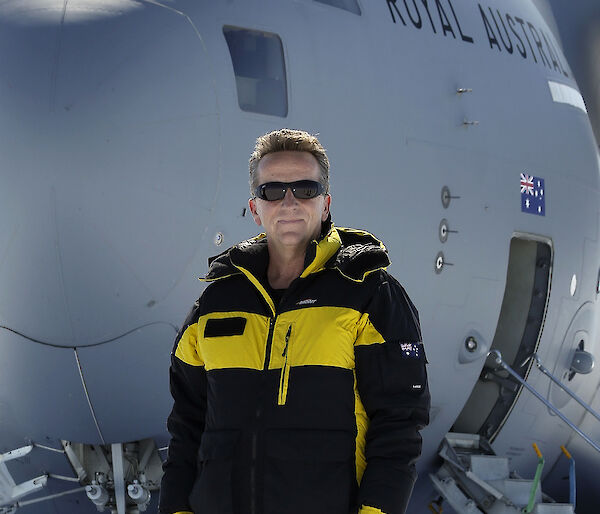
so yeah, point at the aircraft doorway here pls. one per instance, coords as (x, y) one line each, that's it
(517, 336)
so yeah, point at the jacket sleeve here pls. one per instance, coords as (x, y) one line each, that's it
(186, 421)
(392, 385)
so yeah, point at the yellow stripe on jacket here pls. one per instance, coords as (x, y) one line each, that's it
(322, 336)
(362, 425)
(187, 347)
(245, 350)
(365, 509)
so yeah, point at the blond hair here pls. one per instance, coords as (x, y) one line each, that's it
(288, 139)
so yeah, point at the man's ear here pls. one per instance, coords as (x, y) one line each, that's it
(254, 211)
(326, 206)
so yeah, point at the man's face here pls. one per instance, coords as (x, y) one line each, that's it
(290, 222)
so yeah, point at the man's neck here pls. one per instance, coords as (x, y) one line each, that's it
(285, 265)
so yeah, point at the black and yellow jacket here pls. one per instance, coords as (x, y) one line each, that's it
(310, 406)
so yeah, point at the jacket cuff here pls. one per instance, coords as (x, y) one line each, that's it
(365, 509)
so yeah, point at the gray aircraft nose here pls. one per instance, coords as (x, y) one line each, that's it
(109, 158)
(109, 161)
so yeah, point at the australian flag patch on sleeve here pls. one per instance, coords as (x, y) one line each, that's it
(411, 350)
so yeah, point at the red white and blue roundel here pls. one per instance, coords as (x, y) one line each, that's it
(533, 195)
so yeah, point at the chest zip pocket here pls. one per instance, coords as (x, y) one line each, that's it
(285, 370)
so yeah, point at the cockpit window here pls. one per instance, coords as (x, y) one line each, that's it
(347, 5)
(259, 69)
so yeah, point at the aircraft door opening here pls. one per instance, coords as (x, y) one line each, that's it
(517, 336)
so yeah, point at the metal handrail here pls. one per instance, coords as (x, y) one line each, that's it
(564, 387)
(536, 480)
(498, 358)
(572, 480)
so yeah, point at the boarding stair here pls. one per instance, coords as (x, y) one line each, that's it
(474, 480)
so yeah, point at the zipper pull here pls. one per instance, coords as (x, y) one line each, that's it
(287, 340)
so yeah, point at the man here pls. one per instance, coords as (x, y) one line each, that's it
(299, 375)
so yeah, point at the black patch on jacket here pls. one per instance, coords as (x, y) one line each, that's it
(224, 327)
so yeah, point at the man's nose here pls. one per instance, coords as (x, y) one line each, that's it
(289, 198)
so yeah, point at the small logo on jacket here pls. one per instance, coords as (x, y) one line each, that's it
(308, 301)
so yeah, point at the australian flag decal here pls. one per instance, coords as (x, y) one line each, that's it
(533, 195)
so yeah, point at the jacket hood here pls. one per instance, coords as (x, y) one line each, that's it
(353, 253)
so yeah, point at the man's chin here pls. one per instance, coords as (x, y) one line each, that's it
(293, 240)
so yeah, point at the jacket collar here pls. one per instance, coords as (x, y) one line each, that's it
(353, 253)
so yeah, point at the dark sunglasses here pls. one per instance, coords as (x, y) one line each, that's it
(301, 189)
